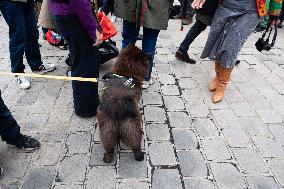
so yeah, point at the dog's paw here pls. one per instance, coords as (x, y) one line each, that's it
(139, 157)
(108, 158)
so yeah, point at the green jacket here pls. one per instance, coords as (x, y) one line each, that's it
(147, 13)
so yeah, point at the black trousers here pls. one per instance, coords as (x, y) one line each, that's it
(85, 63)
(9, 129)
(194, 31)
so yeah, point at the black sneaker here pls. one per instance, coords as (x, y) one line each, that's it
(27, 142)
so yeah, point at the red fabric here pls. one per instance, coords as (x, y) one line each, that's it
(261, 7)
(53, 38)
(109, 29)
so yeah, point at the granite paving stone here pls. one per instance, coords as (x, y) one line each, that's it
(162, 154)
(174, 103)
(130, 168)
(166, 179)
(101, 177)
(269, 116)
(192, 164)
(154, 114)
(184, 139)
(215, 149)
(227, 176)
(205, 128)
(259, 182)
(198, 183)
(158, 132)
(268, 147)
(277, 167)
(179, 120)
(250, 161)
(236, 137)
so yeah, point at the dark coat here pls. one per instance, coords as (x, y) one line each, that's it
(147, 13)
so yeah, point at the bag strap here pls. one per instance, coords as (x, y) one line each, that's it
(264, 34)
(275, 36)
(270, 31)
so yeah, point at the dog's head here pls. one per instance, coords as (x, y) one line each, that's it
(132, 62)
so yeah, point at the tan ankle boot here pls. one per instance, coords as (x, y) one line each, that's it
(222, 81)
(213, 84)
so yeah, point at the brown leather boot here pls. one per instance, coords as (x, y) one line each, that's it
(222, 81)
(184, 58)
(213, 84)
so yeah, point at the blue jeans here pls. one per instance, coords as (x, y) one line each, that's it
(194, 31)
(149, 41)
(23, 34)
(9, 129)
(85, 63)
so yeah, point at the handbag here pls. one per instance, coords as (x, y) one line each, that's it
(262, 43)
(108, 28)
(107, 51)
(209, 8)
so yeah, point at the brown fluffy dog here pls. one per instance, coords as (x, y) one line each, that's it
(119, 113)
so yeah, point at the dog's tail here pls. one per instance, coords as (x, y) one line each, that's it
(120, 108)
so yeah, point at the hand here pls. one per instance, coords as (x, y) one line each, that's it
(99, 39)
(197, 4)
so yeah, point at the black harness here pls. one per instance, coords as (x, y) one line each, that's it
(129, 82)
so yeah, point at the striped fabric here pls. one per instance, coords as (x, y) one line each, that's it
(274, 10)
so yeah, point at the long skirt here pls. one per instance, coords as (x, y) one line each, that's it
(233, 23)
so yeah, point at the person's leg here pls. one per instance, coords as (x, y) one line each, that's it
(129, 33)
(85, 63)
(194, 31)
(32, 51)
(9, 129)
(13, 13)
(264, 23)
(282, 13)
(149, 42)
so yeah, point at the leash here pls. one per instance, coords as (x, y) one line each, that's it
(94, 80)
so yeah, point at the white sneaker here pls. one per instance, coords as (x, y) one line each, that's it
(23, 82)
(113, 18)
(44, 68)
(146, 84)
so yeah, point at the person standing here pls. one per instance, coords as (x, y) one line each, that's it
(233, 23)
(153, 16)
(23, 34)
(203, 19)
(78, 25)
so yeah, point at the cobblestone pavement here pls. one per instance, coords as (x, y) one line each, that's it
(189, 142)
